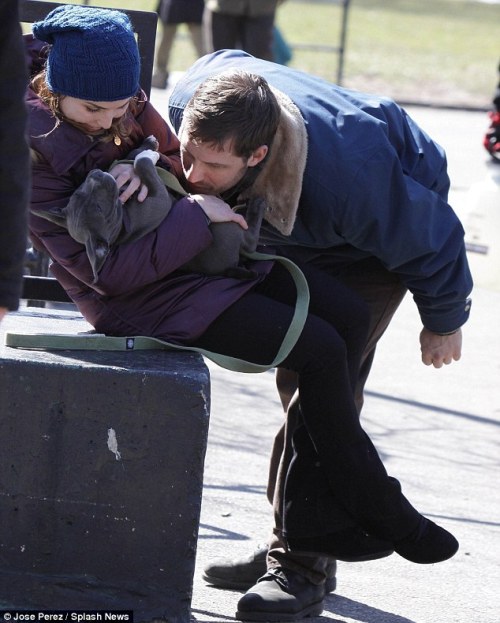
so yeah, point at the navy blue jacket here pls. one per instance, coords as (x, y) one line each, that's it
(373, 180)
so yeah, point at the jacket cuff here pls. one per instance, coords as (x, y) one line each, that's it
(448, 323)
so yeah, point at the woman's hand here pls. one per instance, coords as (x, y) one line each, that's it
(219, 211)
(128, 182)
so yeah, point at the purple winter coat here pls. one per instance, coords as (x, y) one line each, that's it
(140, 290)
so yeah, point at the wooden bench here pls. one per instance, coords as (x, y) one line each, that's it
(101, 463)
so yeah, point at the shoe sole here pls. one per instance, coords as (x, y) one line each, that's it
(313, 610)
(383, 554)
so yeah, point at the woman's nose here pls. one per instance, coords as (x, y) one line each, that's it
(106, 120)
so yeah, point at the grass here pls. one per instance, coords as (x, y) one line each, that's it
(428, 51)
(419, 50)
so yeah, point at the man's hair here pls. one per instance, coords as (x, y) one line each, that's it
(234, 105)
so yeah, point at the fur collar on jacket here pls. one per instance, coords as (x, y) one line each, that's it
(280, 181)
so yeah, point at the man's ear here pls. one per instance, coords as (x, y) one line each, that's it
(258, 155)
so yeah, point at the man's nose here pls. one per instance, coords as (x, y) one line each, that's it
(195, 173)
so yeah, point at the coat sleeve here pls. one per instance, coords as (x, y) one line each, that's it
(181, 236)
(133, 265)
(412, 229)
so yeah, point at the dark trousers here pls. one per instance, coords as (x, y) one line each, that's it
(383, 292)
(251, 34)
(335, 477)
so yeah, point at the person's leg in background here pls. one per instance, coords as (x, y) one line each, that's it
(221, 31)
(257, 36)
(172, 14)
(251, 34)
(196, 34)
(160, 75)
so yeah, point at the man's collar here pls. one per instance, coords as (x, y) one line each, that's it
(232, 195)
(279, 181)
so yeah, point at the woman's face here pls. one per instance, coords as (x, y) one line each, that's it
(92, 117)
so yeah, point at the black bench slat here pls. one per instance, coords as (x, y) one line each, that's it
(43, 289)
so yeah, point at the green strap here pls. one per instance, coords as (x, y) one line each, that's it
(98, 341)
(170, 181)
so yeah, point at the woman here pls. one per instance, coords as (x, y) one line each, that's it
(88, 114)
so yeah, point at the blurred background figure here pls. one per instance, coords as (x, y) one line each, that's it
(14, 158)
(282, 52)
(172, 13)
(241, 24)
(492, 137)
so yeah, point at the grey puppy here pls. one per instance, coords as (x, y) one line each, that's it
(95, 215)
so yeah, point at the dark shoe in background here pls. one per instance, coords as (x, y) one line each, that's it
(237, 574)
(159, 79)
(243, 573)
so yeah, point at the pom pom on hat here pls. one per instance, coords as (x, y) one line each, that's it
(94, 54)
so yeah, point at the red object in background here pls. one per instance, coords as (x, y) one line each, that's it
(491, 139)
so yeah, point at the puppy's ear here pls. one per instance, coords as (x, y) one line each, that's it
(56, 215)
(97, 251)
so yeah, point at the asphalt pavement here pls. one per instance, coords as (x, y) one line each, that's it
(438, 431)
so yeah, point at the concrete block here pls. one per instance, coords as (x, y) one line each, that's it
(101, 475)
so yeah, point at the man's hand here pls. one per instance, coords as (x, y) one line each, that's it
(3, 313)
(128, 182)
(440, 349)
(218, 211)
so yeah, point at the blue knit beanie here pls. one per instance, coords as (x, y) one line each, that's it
(94, 55)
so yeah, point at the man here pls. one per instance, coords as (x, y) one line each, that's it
(14, 158)
(354, 186)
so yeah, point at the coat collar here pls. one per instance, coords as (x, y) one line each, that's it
(280, 180)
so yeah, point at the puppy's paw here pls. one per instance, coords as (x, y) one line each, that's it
(154, 156)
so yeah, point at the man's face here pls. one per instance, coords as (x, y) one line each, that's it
(210, 170)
